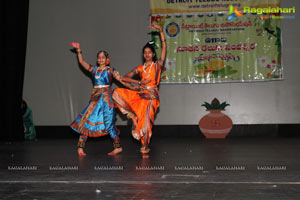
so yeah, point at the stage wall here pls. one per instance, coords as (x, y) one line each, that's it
(56, 88)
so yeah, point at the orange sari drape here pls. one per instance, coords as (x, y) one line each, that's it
(141, 105)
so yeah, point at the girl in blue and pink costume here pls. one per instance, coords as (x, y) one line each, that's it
(98, 118)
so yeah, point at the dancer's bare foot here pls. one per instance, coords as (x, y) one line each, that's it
(136, 135)
(144, 155)
(144, 150)
(80, 152)
(115, 151)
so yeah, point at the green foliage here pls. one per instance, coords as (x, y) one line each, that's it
(215, 105)
(226, 71)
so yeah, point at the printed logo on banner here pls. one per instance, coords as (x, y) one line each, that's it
(266, 13)
(233, 13)
(172, 29)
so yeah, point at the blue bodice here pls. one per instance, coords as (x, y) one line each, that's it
(101, 77)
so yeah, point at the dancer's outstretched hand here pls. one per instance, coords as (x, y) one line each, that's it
(155, 27)
(75, 45)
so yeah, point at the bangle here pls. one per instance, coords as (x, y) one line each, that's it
(164, 40)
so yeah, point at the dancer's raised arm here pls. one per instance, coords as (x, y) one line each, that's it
(163, 42)
(82, 62)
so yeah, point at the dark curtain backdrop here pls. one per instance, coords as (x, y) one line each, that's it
(14, 22)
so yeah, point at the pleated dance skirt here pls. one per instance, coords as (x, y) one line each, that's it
(98, 117)
(132, 103)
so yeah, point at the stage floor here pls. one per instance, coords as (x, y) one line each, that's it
(178, 168)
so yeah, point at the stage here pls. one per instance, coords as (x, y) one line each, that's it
(178, 168)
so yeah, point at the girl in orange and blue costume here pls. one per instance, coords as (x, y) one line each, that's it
(141, 104)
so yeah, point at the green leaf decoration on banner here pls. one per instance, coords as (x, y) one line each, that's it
(226, 71)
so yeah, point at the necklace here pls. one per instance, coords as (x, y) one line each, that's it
(147, 74)
(98, 76)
